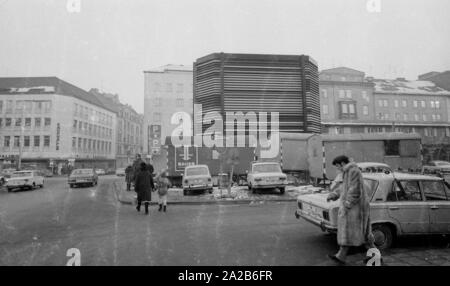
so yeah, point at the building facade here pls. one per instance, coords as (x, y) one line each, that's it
(53, 124)
(379, 105)
(167, 91)
(129, 132)
(254, 83)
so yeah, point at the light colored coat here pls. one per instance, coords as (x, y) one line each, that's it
(354, 227)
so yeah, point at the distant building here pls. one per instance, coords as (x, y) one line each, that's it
(129, 132)
(352, 103)
(287, 84)
(168, 90)
(55, 124)
(346, 98)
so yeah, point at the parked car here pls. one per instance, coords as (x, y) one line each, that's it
(400, 204)
(374, 167)
(29, 179)
(266, 175)
(437, 167)
(83, 177)
(100, 172)
(120, 172)
(197, 178)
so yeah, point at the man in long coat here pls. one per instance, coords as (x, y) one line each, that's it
(143, 185)
(354, 227)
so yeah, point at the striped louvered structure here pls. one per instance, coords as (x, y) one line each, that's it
(287, 84)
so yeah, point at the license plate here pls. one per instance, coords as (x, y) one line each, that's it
(81, 181)
(313, 210)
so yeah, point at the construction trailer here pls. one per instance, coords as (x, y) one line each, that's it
(175, 159)
(309, 156)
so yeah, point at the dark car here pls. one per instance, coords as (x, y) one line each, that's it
(83, 177)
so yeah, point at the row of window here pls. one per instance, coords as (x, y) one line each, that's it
(27, 122)
(90, 114)
(91, 129)
(435, 104)
(91, 145)
(168, 87)
(28, 141)
(128, 139)
(347, 110)
(426, 131)
(157, 102)
(25, 106)
(346, 94)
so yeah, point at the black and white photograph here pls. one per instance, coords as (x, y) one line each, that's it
(225, 133)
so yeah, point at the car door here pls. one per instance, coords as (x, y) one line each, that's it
(437, 199)
(407, 206)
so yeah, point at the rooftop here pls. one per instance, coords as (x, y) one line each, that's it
(403, 86)
(46, 85)
(171, 67)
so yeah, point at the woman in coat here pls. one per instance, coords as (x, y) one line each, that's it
(354, 227)
(143, 185)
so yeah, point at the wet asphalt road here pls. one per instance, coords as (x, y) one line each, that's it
(38, 227)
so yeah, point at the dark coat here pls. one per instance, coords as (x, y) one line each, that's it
(143, 185)
(136, 168)
(129, 174)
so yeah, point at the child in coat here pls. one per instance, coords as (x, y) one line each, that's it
(163, 187)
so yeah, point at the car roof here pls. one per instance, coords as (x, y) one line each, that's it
(197, 166)
(372, 164)
(268, 162)
(439, 161)
(400, 176)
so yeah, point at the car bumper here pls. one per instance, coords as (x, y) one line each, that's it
(198, 187)
(81, 182)
(323, 224)
(18, 186)
(268, 186)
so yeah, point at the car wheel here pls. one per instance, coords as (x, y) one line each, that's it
(210, 191)
(383, 236)
(282, 190)
(33, 187)
(9, 190)
(185, 192)
(71, 186)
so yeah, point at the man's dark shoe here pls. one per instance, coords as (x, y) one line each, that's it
(160, 207)
(337, 260)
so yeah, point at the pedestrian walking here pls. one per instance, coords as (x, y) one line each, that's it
(128, 176)
(354, 227)
(143, 185)
(137, 165)
(163, 187)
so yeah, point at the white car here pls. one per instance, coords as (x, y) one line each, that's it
(120, 172)
(266, 175)
(25, 180)
(197, 177)
(100, 172)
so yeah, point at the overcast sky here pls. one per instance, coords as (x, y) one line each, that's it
(110, 43)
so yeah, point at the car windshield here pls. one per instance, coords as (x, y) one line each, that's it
(370, 186)
(82, 172)
(197, 171)
(22, 174)
(266, 168)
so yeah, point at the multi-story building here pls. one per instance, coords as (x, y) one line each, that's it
(52, 123)
(346, 101)
(285, 84)
(168, 90)
(378, 106)
(128, 128)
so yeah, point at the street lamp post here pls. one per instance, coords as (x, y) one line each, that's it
(22, 129)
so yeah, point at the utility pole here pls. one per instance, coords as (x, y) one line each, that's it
(20, 147)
